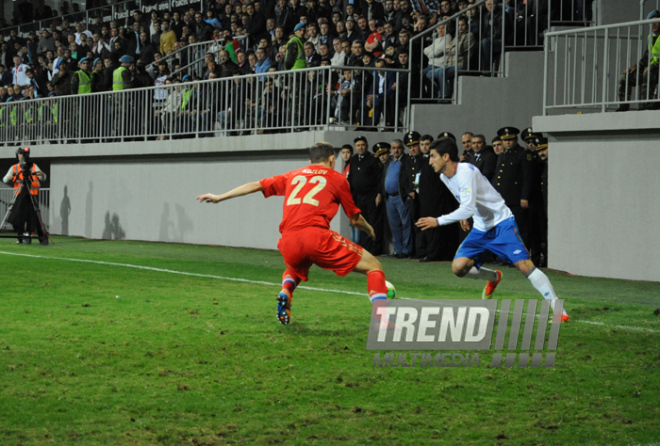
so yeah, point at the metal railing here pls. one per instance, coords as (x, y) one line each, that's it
(191, 57)
(591, 68)
(488, 34)
(274, 102)
(116, 11)
(457, 52)
(571, 12)
(7, 195)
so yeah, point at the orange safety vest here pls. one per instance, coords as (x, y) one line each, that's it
(18, 172)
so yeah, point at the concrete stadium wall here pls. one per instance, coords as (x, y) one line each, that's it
(154, 199)
(146, 190)
(617, 11)
(603, 187)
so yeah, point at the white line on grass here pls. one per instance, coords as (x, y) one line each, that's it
(182, 273)
(621, 327)
(260, 282)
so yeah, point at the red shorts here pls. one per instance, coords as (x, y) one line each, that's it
(321, 247)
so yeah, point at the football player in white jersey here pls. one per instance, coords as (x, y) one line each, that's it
(494, 228)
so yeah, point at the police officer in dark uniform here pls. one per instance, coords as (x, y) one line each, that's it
(410, 169)
(542, 152)
(537, 219)
(529, 137)
(435, 199)
(513, 179)
(447, 135)
(541, 144)
(365, 178)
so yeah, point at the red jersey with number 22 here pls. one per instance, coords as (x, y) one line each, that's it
(312, 196)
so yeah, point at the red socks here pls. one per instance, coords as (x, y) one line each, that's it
(376, 285)
(289, 282)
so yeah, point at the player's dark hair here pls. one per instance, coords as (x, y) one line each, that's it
(446, 145)
(320, 152)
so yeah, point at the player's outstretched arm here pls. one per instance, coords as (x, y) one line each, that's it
(432, 222)
(359, 222)
(246, 189)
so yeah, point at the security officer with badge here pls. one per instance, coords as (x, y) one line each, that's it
(26, 178)
(513, 178)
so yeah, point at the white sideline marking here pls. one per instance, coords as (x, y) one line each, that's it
(260, 282)
(182, 273)
(621, 327)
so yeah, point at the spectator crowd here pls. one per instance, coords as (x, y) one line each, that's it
(166, 49)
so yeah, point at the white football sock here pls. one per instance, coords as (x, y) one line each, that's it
(482, 274)
(542, 284)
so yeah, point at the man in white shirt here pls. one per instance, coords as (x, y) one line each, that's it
(19, 73)
(494, 228)
(338, 58)
(80, 29)
(58, 60)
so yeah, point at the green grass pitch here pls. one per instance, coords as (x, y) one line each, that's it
(94, 352)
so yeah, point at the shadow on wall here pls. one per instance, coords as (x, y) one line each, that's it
(186, 225)
(113, 230)
(65, 211)
(166, 231)
(171, 232)
(88, 210)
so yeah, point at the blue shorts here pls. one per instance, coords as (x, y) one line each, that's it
(503, 240)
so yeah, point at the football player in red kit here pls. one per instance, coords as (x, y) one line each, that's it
(312, 196)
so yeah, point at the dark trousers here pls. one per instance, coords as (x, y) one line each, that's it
(648, 84)
(374, 216)
(537, 234)
(522, 221)
(24, 217)
(419, 240)
(442, 242)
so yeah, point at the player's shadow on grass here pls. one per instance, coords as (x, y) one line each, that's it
(314, 329)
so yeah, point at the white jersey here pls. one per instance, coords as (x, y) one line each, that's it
(477, 198)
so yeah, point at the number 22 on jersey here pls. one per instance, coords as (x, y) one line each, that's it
(300, 182)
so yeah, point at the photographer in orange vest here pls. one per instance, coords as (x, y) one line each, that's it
(26, 178)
